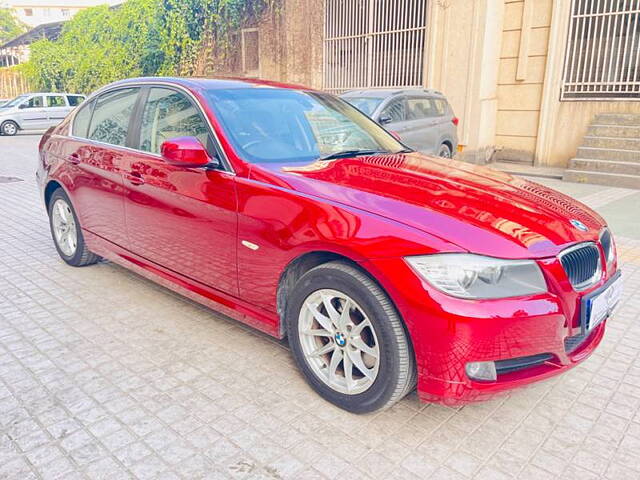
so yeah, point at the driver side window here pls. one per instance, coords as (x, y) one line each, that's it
(169, 114)
(395, 111)
(33, 102)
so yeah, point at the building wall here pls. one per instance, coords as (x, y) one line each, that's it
(525, 36)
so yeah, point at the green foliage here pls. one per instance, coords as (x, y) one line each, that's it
(141, 37)
(10, 26)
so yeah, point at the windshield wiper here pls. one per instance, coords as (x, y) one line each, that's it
(350, 153)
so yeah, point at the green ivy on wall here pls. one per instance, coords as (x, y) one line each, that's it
(138, 38)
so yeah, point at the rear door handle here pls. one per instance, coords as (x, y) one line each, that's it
(74, 158)
(134, 178)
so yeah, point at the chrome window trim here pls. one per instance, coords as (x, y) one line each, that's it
(597, 275)
(225, 163)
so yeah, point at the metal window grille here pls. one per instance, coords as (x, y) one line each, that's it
(602, 60)
(374, 44)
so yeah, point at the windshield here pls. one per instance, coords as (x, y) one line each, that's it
(367, 105)
(276, 125)
(12, 103)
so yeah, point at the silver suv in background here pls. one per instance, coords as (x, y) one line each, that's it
(36, 111)
(423, 119)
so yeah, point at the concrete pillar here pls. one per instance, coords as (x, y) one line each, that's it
(463, 58)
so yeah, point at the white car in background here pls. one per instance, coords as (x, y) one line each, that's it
(36, 111)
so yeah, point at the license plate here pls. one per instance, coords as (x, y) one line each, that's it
(600, 305)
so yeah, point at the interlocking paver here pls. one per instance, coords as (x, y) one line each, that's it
(106, 375)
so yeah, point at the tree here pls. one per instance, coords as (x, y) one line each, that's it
(10, 26)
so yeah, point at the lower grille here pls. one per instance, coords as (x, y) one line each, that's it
(520, 363)
(581, 263)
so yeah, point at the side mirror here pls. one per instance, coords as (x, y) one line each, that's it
(385, 119)
(22, 105)
(186, 152)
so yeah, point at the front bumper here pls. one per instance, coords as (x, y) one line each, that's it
(448, 332)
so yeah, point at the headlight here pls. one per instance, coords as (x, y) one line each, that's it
(475, 276)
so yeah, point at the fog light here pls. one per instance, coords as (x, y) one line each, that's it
(485, 371)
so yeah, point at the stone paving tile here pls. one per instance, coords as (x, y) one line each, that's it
(106, 375)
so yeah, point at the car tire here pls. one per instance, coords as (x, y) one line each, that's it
(352, 377)
(66, 232)
(445, 151)
(9, 128)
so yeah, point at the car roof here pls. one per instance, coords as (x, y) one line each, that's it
(389, 92)
(209, 83)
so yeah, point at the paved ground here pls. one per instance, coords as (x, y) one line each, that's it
(106, 375)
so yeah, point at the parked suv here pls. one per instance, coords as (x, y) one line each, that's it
(36, 111)
(423, 119)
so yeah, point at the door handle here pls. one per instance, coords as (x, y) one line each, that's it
(74, 158)
(134, 178)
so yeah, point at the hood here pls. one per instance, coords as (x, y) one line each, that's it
(481, 210)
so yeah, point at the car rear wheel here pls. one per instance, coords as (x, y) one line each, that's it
(66, 232)
(348, 339)
(9, 128)
(445, 151)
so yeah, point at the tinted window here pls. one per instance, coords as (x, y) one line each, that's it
(420, 107)
(279, 125)
(34, 102)
(170, 114)
(111, 115)
(395, 111)
(56, 101)
(81, 120)
(441, 106)
(75, 100)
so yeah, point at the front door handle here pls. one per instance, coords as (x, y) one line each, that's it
(134, 178)
(74, 158)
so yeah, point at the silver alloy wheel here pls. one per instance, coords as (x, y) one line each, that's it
(445, 151)
(338, 341)
(9, 128)
(64, 227)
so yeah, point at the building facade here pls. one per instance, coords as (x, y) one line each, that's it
(525, 77)
(38, 12)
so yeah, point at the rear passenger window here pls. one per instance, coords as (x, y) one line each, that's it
(111, 115)
(419, 107)
(395, 111)
(56, 101)
(441, 106)
(75, 100)
(81, 121)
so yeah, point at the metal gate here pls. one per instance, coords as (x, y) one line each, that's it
(603, 51)
(374, 44)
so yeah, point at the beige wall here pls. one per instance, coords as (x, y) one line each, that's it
(525, 37)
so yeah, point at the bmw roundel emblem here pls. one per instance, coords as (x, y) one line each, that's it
(579, 225)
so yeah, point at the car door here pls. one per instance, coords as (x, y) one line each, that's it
(422, 132)
(184, 219)
(95, 154)
(57, 109)
(32, 114)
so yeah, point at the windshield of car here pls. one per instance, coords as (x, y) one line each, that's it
(277, 125)
(16, 101)
(367, 105)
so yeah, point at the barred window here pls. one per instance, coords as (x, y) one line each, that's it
(602, 60)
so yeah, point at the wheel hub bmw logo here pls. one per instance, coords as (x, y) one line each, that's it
(579, 225)
(341, 340)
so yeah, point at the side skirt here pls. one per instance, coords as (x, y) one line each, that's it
(228, 305)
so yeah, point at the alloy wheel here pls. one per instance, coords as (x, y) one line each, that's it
(64, 227)
(9, 128)
(339, 341)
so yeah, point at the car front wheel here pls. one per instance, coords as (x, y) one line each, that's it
(348, 339)
(66, 232)
(9, 128)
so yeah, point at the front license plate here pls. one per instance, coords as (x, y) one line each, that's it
(599, 305)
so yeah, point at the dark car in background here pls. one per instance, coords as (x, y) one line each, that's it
(423, 119)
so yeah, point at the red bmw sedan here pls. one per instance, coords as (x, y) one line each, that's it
(290, 210)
